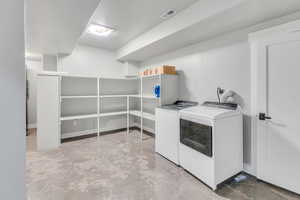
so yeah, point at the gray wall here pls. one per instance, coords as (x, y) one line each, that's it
(12, 102)
(205, 66)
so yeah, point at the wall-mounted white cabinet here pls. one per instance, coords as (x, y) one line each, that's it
(87, 105)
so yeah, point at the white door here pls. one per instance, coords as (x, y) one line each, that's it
(278, 96)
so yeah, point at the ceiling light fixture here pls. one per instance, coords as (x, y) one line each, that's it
(99, 30)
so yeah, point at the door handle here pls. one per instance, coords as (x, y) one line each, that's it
(263, 116)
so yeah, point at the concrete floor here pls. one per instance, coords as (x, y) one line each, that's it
(120, 167)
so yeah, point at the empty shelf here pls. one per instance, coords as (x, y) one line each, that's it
(113, 113)
(78, 117)
(114, 96)
(78, 97)
(145, 115)
(92, 115)
(144, 96)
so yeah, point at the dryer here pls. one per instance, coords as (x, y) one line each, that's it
(211, 142)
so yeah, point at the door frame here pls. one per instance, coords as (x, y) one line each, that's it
(259, 43)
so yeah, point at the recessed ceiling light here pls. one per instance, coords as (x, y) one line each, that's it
(168, 14)
(99, 30)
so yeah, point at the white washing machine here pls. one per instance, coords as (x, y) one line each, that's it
(211, 143)
(167, 129)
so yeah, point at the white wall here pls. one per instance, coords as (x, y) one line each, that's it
(88, 60)
(203, 68)
(12, 102)
(49, 62)
(33, 67)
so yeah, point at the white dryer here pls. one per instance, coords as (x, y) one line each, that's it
(211, 143)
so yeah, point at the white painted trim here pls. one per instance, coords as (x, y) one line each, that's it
(33, 57)
(31, 125)
(253, 90)
(50, 73)
(98, 107)
(259, 41)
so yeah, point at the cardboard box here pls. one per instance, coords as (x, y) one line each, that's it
(150, 72)
(165, 70)
(146, 72)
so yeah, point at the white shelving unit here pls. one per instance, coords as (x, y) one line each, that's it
(87, 101)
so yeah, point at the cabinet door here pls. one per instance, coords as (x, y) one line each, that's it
(167, 134)
(48, 112)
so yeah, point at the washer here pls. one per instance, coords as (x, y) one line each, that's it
(167, 129)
